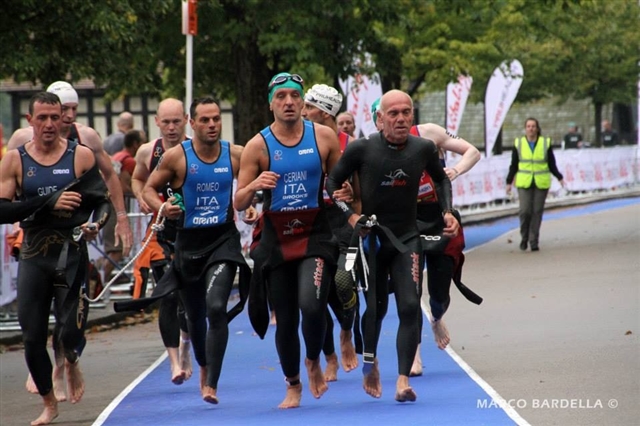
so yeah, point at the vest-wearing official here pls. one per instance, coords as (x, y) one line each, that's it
(532, 163)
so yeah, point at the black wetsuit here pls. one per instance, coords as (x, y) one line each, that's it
(208, 252)
(389, 179)
(294, 251)
(171, 305)
(53, 266)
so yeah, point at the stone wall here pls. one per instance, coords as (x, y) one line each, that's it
(554, 118)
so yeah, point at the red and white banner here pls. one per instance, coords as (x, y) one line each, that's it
(502, 89)
(361, 91)
(8, 269)
(456, 101)
(583, 170)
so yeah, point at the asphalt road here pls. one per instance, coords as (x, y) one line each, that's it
(557, 335)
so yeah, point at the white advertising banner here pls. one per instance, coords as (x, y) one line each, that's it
(502, 89)
(457, 95)
(361, 91)
(583, 170)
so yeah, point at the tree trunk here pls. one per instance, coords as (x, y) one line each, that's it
(598, 113)
(251, 110)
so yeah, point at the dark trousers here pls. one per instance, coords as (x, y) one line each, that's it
(532, 202)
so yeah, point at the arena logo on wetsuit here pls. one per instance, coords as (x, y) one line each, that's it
(396, 178)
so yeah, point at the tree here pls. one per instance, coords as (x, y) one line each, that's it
(136, 46)
(46, 40)
(581, 49)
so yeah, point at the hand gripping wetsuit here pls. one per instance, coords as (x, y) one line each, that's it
(53, 266)
(156, 257)
(389, 180)
(294, 251)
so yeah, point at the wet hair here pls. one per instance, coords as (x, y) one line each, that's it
(44, 98)
(537, 124)
(201, 101)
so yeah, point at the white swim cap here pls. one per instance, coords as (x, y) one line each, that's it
(65, 92)
(324, 97)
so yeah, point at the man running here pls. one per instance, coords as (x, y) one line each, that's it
(87, 136)
(208, 249)
(389, 166)
(321, 104)
(59, 188)
(444, 262)
(294, 252)
(171, 121)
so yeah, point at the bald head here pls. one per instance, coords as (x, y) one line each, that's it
(125, 121)
(171, 120)
(396, 116)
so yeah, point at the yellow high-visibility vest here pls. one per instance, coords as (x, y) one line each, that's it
(533, 166)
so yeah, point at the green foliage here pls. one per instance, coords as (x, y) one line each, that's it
(579, 48)
(49, 40)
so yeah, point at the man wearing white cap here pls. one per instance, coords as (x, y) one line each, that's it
(321, 105)
(89, 137)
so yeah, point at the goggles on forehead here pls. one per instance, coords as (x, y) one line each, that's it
(284, 78)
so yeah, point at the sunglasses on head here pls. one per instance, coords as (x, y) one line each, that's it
(284, 78)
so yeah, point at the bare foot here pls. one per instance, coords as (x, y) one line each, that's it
(416, 368)
(203, 379)
(177, 373)
(331, 372)
(59, 385)
(209, 395)
(440, 333)
(292, 397)
(50, 411)
(404, 392)
(348, 351)
(31, 385)
(75, 381)
(185, 357)
(273, 321)
(317, 384)
(371, 382)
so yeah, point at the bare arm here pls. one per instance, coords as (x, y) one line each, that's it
(20, 137)
(449, 142)
(8, 175)
(236, 155)
(141, 174)
(251, 177)
(123, 234)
